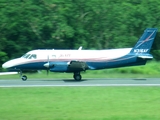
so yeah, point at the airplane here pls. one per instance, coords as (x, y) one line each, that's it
(76, 61)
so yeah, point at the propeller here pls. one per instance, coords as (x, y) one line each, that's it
(47, 65)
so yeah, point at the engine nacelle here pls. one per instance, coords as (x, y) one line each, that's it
(72, 66)
(63, 67)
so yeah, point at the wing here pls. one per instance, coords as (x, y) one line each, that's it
(8, 73)
(72, 66)
(77, 66)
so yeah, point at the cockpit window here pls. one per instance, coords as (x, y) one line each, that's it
(33, 56)
(26, 56)
(29, 56)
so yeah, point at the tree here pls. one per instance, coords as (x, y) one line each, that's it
(68, 24)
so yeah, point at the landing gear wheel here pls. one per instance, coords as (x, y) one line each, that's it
(24, 77)
(77, 77)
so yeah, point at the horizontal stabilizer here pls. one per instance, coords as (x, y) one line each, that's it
(145, 57)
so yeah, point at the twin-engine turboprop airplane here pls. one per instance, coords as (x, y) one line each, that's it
(79, 60)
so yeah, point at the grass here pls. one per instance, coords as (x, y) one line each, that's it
(83, 103)
(80, 103)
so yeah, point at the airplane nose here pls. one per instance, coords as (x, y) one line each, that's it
(11, 63)
(8, 64)
(5, 65)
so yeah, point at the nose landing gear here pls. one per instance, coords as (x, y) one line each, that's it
(23, 77)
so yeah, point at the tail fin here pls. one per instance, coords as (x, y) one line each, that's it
(144, 44)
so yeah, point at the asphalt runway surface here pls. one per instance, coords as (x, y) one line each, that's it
(86, 82)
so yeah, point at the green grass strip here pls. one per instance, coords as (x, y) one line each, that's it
(80, 103)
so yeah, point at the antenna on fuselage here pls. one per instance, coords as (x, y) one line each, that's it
(80, 48)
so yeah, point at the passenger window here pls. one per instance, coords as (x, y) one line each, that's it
(53, 56)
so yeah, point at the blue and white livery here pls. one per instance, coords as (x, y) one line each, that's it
(79, 60)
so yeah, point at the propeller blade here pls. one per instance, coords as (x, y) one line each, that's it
(48, 65)
(47, 71)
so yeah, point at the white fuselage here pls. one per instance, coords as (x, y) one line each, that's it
(35, 56)
(83, 55)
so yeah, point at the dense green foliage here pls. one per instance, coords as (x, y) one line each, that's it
(68, 24)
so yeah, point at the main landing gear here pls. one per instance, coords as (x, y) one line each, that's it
(77, 76)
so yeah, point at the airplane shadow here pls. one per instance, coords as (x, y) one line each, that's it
(140, 79)
(71, 80)
(65, 80)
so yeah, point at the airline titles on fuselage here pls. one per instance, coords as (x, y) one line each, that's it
(64, 55)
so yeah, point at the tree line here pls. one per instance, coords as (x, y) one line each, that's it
(68, 24)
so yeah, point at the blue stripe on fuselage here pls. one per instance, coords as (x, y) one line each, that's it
(127, 60)
(35, 65)
(29, 66)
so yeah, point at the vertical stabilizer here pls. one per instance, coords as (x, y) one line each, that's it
(144, 44)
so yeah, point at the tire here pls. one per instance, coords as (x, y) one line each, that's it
(77, 77)
(24, 77)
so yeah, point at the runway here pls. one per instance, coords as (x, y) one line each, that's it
(87, 82)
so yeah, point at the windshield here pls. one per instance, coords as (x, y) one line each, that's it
(29, 56)
(26, 56)
(33, 56)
